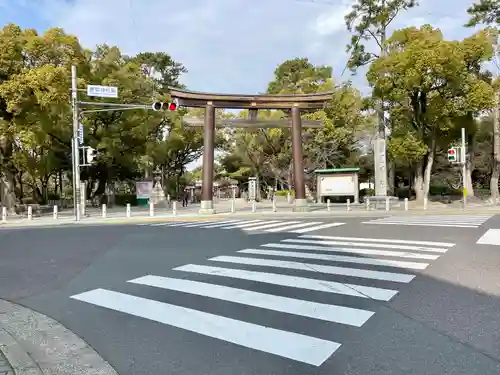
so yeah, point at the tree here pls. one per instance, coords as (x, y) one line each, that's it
(488, 12)
(368, 21)
(430, 85)
(300, 76)
(34, 81)
(485, 11)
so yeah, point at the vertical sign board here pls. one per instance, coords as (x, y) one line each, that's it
(102, 91)
(252, 188)
(80, 134)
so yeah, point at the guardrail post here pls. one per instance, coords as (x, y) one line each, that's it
(274, 205)
(128, 210)
(30, 213)
(104, 211)
(387, 204)
(254, 206)
(151, 209)
(348, 205)
(55, 212)
(406, 204)
(233, 206)
(328, 207)
(4, 214)
(425, 203)
(174, 208)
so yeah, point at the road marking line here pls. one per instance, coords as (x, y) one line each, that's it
(331, 313)
(267, 225)
(384, 240)
(243, 224)
(293, 226)
(345, 271)
(199, 225)
(222, 223)
(354, 250)
(290, 345)
(366, 244)
(491, 237)
(318, 227)
(340, 258)
(423, 225)
(319, 285)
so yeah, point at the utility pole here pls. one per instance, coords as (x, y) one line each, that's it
(464, 167)
(75, 142)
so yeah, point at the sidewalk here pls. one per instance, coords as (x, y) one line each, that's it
(34, 344)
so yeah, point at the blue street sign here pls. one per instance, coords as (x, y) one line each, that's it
(102, 91)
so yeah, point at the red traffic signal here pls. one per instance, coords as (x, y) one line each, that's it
(163, 106)
(451, 151)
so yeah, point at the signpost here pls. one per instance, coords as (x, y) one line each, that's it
(77, 140)
(102, 91)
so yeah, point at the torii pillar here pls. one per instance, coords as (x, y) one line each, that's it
(207, 187)
(300, 204)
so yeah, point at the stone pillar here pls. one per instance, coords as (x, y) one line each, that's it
(207, 204)
(298, 162)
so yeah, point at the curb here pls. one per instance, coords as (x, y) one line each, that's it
(227, 215)
(35, 344)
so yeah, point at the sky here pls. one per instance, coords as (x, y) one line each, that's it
(228, 46)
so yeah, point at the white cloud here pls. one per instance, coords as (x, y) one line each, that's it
(233, 45)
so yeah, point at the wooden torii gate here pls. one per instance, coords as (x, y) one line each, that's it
(292, 103)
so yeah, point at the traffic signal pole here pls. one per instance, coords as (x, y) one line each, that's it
(463, 158)
(76, 145)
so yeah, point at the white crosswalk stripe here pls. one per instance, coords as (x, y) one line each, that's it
(252, 226)
(452, 221)
(327, 265)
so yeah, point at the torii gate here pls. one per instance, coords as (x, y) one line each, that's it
(211, 101)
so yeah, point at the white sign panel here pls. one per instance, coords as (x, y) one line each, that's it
(143, 189)
(339, 185)
(102, 91)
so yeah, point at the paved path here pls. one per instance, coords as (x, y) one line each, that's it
(190, 299)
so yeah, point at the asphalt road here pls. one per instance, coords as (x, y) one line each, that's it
(358, 318)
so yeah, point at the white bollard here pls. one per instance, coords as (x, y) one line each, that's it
(387, 204)
(4, 214)
(367, 204)
(288, 197)
(104, 211)
(328, 208)
(78, 211)
(274, 205)
(128, 210)
(348, 205)
(174, 208)
(254, 206)
(151, 209)
(425, 203)
(54, 215)
(406, 204)
(30, 213)
(168, 199)
(233, 207)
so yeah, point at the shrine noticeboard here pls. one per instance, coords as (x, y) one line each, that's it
(341, 182)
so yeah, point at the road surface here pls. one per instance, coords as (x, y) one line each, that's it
(345, 297)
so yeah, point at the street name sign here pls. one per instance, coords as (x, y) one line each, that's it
(102, 91)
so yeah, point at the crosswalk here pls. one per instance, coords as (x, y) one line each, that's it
(344, 271)
(454, 221)
(269, 226)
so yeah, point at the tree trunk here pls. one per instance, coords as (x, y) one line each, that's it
(469, 164)
(495, 173)
(7, 191)
(418, 183)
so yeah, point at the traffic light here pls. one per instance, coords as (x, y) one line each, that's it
(164, 106)
(452, 154)
(91, 155)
